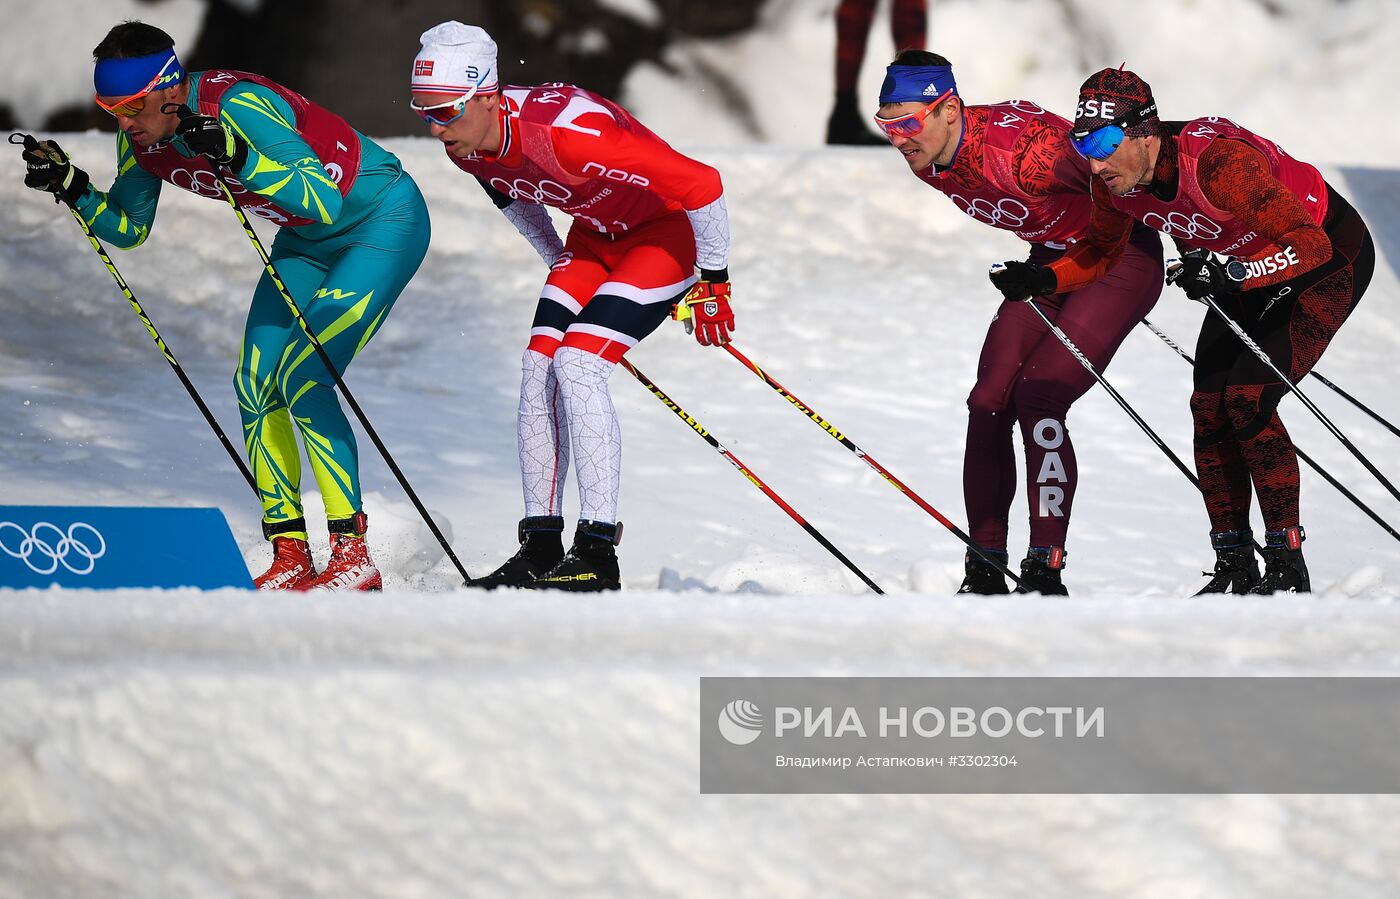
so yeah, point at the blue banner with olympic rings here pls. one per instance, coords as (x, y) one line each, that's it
(107, 547)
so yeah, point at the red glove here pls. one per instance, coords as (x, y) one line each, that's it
(705, 311)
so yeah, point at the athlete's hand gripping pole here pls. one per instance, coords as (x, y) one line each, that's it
(842, 438)
(1209, 300)
(748, 473)
(185, 113)
(705, 310)
(32, 148)
(1117, 397)
(1198, 267)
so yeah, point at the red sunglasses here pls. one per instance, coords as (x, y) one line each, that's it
(911, 124)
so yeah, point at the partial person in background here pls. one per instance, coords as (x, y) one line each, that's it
(1010, 165)
(354, 229)
(1298, 259)
(643, 217)
(908, 24)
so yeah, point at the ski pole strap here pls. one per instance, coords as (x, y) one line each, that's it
(290, 526)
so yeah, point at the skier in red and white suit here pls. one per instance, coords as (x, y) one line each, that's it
(644, 217)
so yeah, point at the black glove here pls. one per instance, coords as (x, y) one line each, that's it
(204, 135)
(49, 168)
(1021, 280)
(1200, 274)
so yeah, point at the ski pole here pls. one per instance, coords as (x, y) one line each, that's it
(1117, 397)
(844, 439)
(1357, 403)
(30, 143)
(748, 473)
(1287, 382)
(1301, 455)
(183, 112)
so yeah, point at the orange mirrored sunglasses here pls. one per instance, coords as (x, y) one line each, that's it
(130, 106)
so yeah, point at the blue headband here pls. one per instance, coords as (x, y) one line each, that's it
(125, 77)
(904, 84)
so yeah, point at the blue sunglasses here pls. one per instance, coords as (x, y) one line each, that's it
(1101, 141)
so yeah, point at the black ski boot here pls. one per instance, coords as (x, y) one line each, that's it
(590, 565)
(847, 125)
(1040, 571)
(541, 548)
(1236, 569)
(983, 579)
(1284, 568)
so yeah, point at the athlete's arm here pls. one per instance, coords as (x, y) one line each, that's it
(530, 219)
(123, 214)
(1235, 177)
(595, 139)
(280, 166)
(1091, 258)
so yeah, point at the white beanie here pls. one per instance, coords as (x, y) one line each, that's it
(456, 59)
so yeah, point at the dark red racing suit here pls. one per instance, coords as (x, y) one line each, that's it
(1015, 170)
(1310, 258)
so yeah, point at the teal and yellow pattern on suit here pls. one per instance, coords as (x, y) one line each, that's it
(345, 268)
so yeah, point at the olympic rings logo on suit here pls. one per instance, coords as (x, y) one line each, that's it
(1008, 212)
(204, 182)
(544, 192)
(1176, 224)
(55, 551)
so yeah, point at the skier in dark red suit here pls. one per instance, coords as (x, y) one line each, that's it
(1299, 259)
(1010, 165)
(644, 216)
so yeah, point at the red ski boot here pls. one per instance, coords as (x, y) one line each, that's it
(292, 568)
(350, 567)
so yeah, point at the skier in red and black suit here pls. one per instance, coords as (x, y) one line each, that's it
(1010, 165)
(1299, 259)
(644, 217)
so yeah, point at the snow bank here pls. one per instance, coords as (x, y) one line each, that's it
(407, 747)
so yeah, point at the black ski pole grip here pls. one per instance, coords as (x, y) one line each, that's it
(178, 109)
(29, 141)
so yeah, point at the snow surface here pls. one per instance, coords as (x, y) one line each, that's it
(429, 743)
(410, 745)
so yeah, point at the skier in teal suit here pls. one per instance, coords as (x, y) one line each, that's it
(354, 229)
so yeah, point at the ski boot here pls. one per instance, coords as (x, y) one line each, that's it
(847, 126)
(1284, 568)
(1040, 571)
(590, 565)
(292, 567)
(981, 578)
(1236, 569)
(350, 567)
(541, 548)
